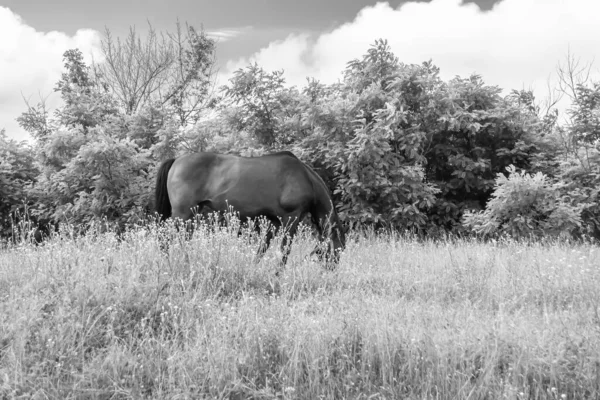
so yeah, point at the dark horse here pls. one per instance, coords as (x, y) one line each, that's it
(277, 186)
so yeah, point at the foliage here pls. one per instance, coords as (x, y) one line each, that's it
(475, 134)
(108, 178)
(585, 114)
(98, 153)
(87, 102)
(580, 174)
(397, 146)
(580, 169)
(17, 173)
(568, 154)
(262, 99)
(380, 165)
(36, 120)
(526, 206)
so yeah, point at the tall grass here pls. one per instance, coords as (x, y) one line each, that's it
(98, 316)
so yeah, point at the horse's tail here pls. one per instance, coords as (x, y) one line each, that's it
(161, 196)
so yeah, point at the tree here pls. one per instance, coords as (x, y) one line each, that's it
(171, 71)
(87, 101)
(36, 120)
(368, 139)
(17, 173)
(580, 162)
(474, 134)
(108, 178)
(259, 95)
(585, 114)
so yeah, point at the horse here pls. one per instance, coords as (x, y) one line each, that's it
(276, 186)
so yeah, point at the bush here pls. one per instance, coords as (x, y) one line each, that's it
(524, 206)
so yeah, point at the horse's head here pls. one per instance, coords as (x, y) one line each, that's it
(330, 249)
(331, 233)
(338, 237)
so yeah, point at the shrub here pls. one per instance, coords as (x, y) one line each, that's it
(524, 205)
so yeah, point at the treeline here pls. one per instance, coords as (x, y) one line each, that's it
(399, 147)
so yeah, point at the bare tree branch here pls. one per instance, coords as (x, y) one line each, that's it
(573, 74)
(174, 71)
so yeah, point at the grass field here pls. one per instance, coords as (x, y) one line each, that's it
(94, 317)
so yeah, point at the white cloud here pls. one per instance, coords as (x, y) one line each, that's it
(224, 35)
(515, 45)
(31, 64)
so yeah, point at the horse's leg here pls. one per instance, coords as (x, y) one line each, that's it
(291, 224)
(318, 250)
(271, 232)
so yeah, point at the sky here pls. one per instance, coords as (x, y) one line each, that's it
(514, 44)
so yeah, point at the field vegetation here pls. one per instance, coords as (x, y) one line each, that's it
(103, 316)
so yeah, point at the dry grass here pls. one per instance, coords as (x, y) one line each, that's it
(93, 317)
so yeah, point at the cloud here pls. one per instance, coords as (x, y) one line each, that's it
(224, 35)
(31, 64)
(515, 45)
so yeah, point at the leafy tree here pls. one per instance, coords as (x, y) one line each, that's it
(474, 134)
(192, 80)
(579, 168)
(17, 173)
(87, 101)
(107, 177)
(259, 97)
(543, 133)
(380, 167)
(585, 114)
(582, 184)
(367, 134)
(36, 120)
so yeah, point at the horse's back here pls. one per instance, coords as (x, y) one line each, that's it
(273, 184)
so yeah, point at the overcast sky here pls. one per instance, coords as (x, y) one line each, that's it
(511, 43)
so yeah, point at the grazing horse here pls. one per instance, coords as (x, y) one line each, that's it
(277, 186)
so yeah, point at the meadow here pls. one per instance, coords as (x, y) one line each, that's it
(400, 318)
